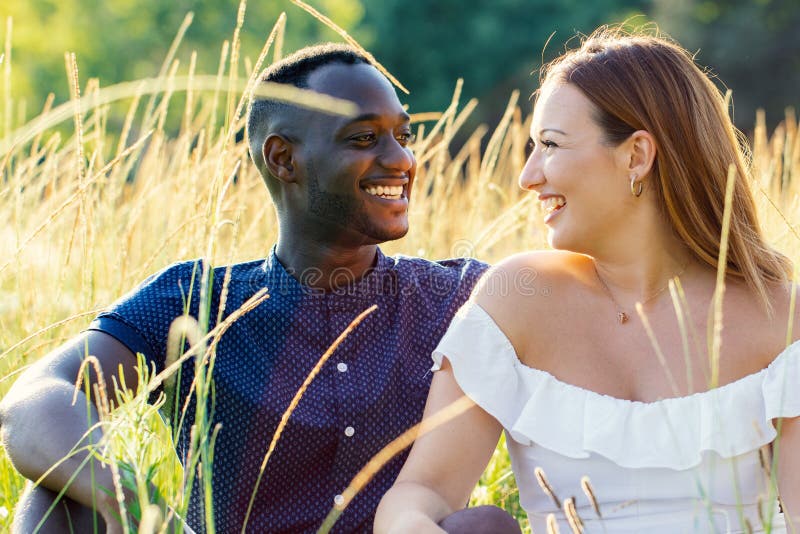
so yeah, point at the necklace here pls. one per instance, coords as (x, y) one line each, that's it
(622, 317)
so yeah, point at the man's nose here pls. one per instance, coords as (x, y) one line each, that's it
(396, 156)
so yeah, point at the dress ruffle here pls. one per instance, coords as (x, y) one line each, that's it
(536, 408)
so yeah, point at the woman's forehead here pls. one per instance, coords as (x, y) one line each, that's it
(559, 106)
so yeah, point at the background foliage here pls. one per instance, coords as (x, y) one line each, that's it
(493, 44)
(117, 191)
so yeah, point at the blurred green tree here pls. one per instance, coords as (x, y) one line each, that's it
(494, 45)
(752, 45)
(121, 40)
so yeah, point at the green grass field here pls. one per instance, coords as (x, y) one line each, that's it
(102, 191)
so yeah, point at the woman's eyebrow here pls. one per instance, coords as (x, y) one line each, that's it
(543, 130)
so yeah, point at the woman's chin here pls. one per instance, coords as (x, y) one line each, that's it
(559, 241)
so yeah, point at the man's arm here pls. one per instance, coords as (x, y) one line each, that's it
(40, 425)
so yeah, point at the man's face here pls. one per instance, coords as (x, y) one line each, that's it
(358, 171)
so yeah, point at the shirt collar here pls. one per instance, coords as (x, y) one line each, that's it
(380, 278)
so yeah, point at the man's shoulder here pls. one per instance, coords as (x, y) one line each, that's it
(142, 317)
(440, 286)
(186, 277)
(446, 268)
(242, 270)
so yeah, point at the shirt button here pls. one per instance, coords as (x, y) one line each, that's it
(338, 500)
(349, 431)
(341, 367)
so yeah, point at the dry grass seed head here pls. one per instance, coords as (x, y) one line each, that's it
(545, 485)
(586, 486)
(575, 522)
(552, 524)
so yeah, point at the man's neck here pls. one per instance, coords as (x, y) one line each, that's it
(325, 265)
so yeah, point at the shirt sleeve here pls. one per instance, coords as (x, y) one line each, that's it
(444, 286)
(141, 319)
(458, 287)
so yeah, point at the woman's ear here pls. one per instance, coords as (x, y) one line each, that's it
(640, 153)
(277, 153)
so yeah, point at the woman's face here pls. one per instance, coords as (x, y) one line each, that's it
(582, 182)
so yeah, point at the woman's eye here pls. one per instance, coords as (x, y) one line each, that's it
(544, 146)
(548, 144)
(529, 146)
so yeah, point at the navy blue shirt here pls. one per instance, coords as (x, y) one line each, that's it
(371, 390)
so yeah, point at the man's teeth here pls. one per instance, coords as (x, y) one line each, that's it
(551, 204)
(385, 191)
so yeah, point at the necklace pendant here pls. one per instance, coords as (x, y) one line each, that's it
(622, 317)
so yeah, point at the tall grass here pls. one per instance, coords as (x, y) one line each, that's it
(102, 191)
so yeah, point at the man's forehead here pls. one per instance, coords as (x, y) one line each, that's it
(361, 83)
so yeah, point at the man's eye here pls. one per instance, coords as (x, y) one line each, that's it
(364, 138)
(405, 138)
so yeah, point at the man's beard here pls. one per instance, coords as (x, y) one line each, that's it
(342, 210)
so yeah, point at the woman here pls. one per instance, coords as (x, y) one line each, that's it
(632, 146)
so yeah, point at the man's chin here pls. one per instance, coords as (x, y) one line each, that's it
(382, 235)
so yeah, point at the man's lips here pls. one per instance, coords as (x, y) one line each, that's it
(385, 191)
(386, 188)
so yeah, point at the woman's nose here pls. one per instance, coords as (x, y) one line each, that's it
(532, 175)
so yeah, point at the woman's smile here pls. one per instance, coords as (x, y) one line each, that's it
(552, 205)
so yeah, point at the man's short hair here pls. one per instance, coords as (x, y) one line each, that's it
(295, 70)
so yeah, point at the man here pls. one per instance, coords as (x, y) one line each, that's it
(341, 186)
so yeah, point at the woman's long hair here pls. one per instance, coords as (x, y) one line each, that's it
(642, 82)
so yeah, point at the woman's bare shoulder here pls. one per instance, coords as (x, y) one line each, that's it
(765, 331)
(523, 285)
(785, 300)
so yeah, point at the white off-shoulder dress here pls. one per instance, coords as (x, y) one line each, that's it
(685, 464)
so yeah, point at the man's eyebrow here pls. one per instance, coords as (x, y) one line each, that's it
(375, 117)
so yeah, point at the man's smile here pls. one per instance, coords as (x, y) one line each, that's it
(390, 189)
(391, 192)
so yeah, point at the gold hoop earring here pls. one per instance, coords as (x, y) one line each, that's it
(636, 187)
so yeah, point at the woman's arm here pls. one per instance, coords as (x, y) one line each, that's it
(788, 446)
(443, 466)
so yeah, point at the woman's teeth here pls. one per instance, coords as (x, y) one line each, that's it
(385, 191)
(551, 204)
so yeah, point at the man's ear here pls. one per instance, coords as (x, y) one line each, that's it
(640, 153)
(277, 154)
